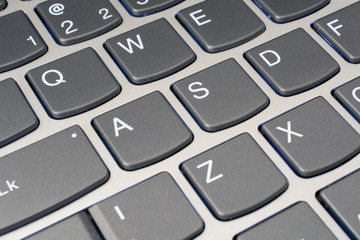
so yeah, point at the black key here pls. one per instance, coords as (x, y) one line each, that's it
(150, 52)
(47, 175)
(143, 132)
(153, 209)
(284, 10)
(21, 43)
(145, 7)
(16, 116)
(292, 63)
(217, 106)
(298, 221)
(73, 84)
(341, 30)
(75, 21)
(313, 138)
(3, 4)
(223, 174)
(349, 96)
(76, 227)
(219, 25)
(341, 199)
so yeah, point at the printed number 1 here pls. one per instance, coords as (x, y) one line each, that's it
(32, 40)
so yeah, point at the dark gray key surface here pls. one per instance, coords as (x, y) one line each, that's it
(47, 175)
(21, 43)
(341, 199)
(312, 138)
(16, 116)
(298, 221)
(284, 10)
(73, 84)
(220, 96)
(3, 4)
(72, 22)
(342, 31)
(150, 52)
(349, 96)
(145, 7)
(143, 131)
(153, 209)
(218, 30)
(76, 227)
(292, 63)
(223, 174)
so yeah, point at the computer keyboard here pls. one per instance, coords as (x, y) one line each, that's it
(171, 119)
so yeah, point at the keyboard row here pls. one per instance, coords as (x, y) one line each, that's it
(59, 84)
(69, 23)
(220, 175)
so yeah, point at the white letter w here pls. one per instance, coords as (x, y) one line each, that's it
(129, 47)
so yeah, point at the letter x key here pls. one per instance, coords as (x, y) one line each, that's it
(321, 139)
(289, 132)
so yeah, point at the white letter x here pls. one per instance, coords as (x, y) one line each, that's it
(289, 132)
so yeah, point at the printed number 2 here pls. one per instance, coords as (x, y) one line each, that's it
(209, 179)
(69, 29)
(105, 13)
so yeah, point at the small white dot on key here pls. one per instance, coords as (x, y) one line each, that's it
(74, 135)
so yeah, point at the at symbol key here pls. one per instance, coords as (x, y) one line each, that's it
(312, 138)
(74, 21)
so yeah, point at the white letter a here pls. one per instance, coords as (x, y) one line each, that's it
(122, 125)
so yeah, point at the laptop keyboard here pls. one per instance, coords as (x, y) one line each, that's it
(179, 119)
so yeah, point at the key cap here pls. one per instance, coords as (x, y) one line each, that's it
(341, 30)
(292, 63)
(76, 227)
(341, 199)
(21, 43)
(298, 221)
(143, 131)
(153, 209)
(145, 7)
(223, 174)
(349, 96)
(217, 106)
(17, 118)
(71, 22)
(281, 11)
(218, 30)
(47, 175)
(3, 4)
(312, 138)
(73, 84)
(150, 52)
